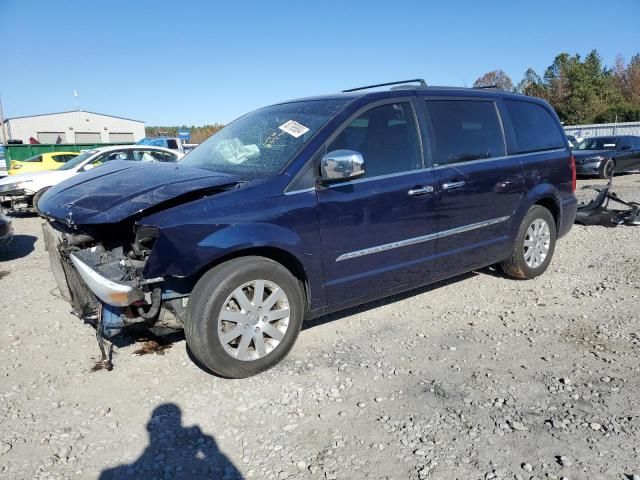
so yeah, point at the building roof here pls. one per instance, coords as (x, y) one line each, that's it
(73, 111)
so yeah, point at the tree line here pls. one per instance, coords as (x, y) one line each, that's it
(580, 90)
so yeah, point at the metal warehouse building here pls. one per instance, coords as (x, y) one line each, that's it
(74, 127)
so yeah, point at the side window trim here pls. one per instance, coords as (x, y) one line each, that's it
(430, 126)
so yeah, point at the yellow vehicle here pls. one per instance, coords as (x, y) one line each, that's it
(43, 161)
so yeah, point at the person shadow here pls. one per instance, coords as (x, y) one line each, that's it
(176, 452)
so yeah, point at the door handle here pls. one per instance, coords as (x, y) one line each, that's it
(415, 191)
(452, 185)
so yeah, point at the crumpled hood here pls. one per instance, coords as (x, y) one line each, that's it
(115, 191)
(580, 154)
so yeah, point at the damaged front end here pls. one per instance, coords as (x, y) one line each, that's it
(99, 269)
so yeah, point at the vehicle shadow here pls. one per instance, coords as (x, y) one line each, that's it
(385, 301)
(176, 452)
(20, 246)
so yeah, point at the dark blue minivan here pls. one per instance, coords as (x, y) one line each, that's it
(311, 206)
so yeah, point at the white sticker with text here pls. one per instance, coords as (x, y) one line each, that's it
(293, 128)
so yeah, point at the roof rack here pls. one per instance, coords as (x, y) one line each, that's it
(484, 87)
(415, 80)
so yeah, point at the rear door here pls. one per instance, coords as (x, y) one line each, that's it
(479, 186)
(378, 231)
(635, 147)
(627, 157)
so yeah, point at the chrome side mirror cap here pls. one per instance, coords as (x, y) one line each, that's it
(341, 165)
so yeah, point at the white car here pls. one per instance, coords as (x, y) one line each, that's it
(23, 190)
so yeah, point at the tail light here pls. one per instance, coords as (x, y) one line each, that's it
(572, 165)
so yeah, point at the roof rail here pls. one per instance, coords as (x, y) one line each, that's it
(483, 87)
(415, 80)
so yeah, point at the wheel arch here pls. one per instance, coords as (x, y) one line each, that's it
(279, 255)
(545, 195)
(551, 204)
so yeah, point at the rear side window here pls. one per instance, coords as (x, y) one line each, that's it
(536, 130)
(387, 138)
(37, 158)
(464, 130)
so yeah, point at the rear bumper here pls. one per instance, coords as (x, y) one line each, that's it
(567, 216)
(108, 291)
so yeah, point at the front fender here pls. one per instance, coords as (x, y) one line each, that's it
(181, 254)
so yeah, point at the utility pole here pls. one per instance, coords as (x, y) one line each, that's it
(4, 127)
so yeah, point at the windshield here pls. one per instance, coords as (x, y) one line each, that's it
(261, 143)
(155, 142)
(598, 143)
(71, 164)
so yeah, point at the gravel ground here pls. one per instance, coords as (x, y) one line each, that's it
(477, 377)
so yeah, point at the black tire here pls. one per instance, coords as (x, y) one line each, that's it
(206, 303)
(607, 169)
(516, 266)
(37, 197)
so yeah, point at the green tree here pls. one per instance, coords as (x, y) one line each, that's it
(580, 90)
(531, 84)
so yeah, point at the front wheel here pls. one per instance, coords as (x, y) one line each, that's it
(607, 169)
(244, 316)
(534, 245)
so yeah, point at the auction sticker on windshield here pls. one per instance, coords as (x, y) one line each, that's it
(293, 128)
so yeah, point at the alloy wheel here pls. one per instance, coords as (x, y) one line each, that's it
(253, 320)
(536, 243)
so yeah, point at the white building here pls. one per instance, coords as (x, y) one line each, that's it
(73, 127)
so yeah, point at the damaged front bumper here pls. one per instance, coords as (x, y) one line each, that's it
(118, 294)
(106, 287)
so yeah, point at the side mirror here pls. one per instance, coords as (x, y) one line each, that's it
(341, 165)
(88, 167)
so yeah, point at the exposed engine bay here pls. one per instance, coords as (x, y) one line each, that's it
(98, 270)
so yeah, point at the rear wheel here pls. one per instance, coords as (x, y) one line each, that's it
(244, 316)
(607, 169)
(534, 245)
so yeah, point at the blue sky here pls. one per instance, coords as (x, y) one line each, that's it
(197, 62)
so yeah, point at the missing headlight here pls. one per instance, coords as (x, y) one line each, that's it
(145, 239)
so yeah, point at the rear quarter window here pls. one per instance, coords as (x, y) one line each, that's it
(534, 127)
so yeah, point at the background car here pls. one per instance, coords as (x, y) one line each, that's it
(23, 190)
(43, 161)
(605, 156)
(6, 230)
(3, 163)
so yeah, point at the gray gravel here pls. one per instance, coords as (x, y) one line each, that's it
(479, 377)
